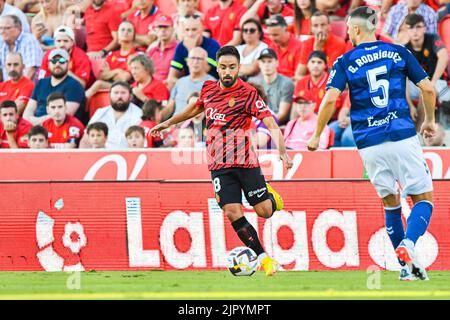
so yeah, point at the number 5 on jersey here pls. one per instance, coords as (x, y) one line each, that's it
(374, 84)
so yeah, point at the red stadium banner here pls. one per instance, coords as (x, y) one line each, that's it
(176, 164)
(326, 225)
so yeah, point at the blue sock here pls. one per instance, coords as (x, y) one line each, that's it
(418, 220)
(394, 225)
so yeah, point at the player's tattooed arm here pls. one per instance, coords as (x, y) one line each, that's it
(189, 112)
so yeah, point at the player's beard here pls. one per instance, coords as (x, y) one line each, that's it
(120, 105)
(228, 82)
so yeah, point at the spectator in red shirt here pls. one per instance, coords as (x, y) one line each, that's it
(145, 86)
(102, 22)
(97, 134)
(285, 45)
(142, 19)
(13, 128)
(151, 116)
(38, 137)
(18, 88)
(312, 86)
(264, 9)
(115, 67)
(64, 130)
(79, 65)
(303, 10)
(222, 22)
(164, 49)
(323, 40)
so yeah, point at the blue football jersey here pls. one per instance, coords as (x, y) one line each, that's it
(376, 76)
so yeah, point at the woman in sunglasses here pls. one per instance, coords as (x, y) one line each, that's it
(252, 35)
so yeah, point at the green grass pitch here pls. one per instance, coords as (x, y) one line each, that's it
(183, 285)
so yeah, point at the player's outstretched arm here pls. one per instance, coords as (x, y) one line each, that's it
(428, 127)
(277, 136)
(326, 111)
(189, 112)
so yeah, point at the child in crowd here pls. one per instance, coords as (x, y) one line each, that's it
(97, 134)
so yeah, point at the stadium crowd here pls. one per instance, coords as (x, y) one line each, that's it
(102, 73)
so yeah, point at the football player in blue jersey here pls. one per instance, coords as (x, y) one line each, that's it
(376, 73)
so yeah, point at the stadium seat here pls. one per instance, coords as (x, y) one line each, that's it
(97, 65)
(339, 28)
(167, 7)
(99, 100)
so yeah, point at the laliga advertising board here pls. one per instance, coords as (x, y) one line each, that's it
(59, 226)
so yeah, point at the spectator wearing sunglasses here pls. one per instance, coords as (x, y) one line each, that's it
(193, 37)
(79, 65)
(36, 109)
(184, 8)
(222, 22)
(252, 35)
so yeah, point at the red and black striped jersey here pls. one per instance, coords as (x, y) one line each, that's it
(229, 114)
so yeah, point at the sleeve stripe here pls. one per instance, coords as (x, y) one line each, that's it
(176, 64)
(211, 61)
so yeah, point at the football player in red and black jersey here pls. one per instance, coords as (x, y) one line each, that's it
(229, 105)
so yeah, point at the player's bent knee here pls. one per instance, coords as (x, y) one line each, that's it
(391, 201)
(264, 210)
(427, 196)
(233, 211)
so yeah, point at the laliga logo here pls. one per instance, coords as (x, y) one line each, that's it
(212, 114)
(47, 256)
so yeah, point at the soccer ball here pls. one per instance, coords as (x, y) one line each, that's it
(242, 261)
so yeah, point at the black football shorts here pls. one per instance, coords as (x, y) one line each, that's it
(229, 182)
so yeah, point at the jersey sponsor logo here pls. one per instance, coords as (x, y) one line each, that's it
(74, 131)
(214, 115)
(214, 18)
(376, 123)
(261, 105)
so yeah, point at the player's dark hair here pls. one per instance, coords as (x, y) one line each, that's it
(258, 26)
(99, 126)
(413, 19)
(228, 51)
(57, 95)
(149, 109)
(124, 84)
(36, 130)
(132, 129)
(8, 104)
(365, 13)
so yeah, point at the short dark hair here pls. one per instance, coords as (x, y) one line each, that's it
(149, 109)
(413, 19)
(319, 14)
(318, 54)
(122, 84)
(16, 21)
(57, 95)
(8, 104)
(132, 129)
(36, 130)
(365, 13)
(228, 51)
(99, 126)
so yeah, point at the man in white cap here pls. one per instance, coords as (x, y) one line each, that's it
(60, 81)
(79, 65)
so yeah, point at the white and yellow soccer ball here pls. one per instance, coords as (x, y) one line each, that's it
(242, 261)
